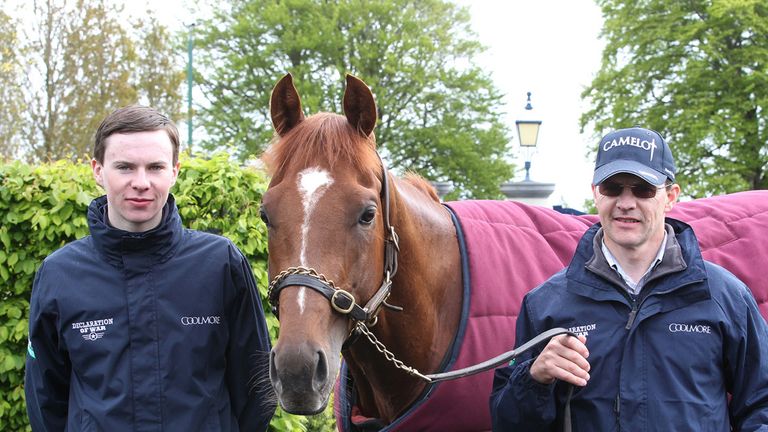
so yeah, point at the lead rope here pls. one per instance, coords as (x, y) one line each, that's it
(469, 370)
(459, 373)
(480, 367)
(567, 410)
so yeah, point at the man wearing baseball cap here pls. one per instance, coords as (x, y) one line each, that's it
(664, 336)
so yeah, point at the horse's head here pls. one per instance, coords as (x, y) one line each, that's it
(324, 212)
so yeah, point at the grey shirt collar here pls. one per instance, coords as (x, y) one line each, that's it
(672, 260)
(632, 286)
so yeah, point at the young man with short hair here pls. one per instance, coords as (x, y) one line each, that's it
(145, 325)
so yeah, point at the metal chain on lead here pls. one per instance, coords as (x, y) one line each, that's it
(388, 354)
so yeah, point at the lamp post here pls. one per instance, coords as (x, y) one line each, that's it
(528, 134)
(190, 43)
(528, 191)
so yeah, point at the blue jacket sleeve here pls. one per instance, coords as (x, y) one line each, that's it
(248, 354)
(47, 371)
(518, 402)
(746, 360)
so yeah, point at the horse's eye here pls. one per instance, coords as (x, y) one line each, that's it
(263, 216)
(367, 217)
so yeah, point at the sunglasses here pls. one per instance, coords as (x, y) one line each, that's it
(641, 190)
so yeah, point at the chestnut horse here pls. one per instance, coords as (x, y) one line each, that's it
(325, 211)
(375, 268)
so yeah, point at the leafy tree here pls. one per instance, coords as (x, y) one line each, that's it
(159, 76)
(696, 71)
(99, 56)
(84, 60)
(438, 113)
(11, 98)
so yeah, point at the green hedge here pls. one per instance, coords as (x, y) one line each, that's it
(43, 207)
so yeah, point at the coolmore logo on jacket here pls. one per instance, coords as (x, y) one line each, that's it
(689, 328)
(92, 330)
(201, 320)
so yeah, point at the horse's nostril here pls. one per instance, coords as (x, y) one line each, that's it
(321, 371)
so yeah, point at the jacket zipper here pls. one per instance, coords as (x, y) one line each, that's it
(630, 321)
(632, 315)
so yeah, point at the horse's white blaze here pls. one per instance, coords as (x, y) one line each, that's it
(312, 184)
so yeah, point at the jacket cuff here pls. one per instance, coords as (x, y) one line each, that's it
(541, 392)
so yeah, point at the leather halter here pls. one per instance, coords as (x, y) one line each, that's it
(343, 301)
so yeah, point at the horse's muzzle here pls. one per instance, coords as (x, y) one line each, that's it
(301, 376)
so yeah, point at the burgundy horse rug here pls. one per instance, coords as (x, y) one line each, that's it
(509, 248)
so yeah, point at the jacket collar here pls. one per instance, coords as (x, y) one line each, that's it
(144, 248)
(682, 265)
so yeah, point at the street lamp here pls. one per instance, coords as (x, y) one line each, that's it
(528, 191)
(528, 133)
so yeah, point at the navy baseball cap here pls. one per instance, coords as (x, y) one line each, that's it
(638, 151)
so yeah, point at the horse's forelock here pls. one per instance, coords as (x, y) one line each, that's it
(323, 137)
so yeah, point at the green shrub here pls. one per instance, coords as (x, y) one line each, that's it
(43, 207)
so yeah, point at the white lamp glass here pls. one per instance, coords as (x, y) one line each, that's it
(528, 132)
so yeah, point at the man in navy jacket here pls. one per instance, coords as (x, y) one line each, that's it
(664, 336)
(145, 325)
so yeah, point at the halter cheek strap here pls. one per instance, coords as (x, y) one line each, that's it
(343, 301)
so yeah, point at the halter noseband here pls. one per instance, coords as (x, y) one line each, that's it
(343, 301)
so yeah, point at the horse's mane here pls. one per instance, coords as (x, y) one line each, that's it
(324, 137)
(422, 184)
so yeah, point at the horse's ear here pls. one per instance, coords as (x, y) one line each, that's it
(359, 106)
(285, 106)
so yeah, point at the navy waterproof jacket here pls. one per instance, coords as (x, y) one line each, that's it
(664, 361)
(153, 331)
